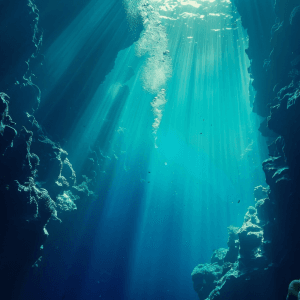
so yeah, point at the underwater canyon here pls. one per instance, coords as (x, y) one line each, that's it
(149, 149)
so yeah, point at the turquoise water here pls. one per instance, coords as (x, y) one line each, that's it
(169, 187)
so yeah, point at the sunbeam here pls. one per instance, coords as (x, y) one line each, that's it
(179, 169)
(150, 99)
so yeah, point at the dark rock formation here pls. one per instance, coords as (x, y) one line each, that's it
(25, 208)
(37, 179)
(269, 241)
(258, 18)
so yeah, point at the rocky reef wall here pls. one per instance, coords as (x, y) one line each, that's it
(36, 178)
(37, 181)
(262, 258)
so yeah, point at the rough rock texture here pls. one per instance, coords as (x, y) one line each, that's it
(243, 263)
(205, 276)
(25, 208)
(36, 178)
(269, 240)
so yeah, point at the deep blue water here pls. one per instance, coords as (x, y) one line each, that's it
(167, 193)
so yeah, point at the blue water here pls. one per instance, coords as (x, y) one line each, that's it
(167, 194)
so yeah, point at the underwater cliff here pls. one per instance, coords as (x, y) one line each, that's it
(262, 258)
(142, 138)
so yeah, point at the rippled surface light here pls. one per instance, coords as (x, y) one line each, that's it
(177, 144)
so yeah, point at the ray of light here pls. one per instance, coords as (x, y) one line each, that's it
(166, 208)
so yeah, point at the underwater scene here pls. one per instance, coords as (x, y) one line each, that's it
(150, 149)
